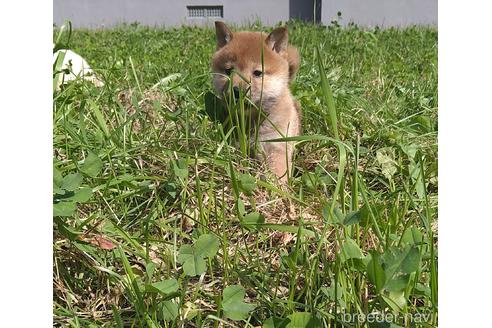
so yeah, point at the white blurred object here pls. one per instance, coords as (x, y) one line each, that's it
(77, 66)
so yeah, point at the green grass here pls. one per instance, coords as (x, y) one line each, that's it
(160, 220)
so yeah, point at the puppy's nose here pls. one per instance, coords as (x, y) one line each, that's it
(236, 92)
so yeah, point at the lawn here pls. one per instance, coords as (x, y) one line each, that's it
(161, 221)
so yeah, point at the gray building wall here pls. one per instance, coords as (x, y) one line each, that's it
(106, 13)
(383, 13)
(98, 13)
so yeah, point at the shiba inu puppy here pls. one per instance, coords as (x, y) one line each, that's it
(238, 60)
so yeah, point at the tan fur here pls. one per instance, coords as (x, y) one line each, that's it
(242, 51)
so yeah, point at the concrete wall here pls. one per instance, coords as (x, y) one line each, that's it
(98, 13)
(105, 13)
(383, 13)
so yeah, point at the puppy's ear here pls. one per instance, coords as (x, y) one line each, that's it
(294, 61)
(223, 34)
(278, 40)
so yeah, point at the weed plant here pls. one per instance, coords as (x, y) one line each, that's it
(163, 219)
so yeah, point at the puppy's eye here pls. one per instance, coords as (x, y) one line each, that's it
(257, 73)
(228, 71)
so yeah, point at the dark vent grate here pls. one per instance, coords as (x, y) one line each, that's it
(205, 11)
